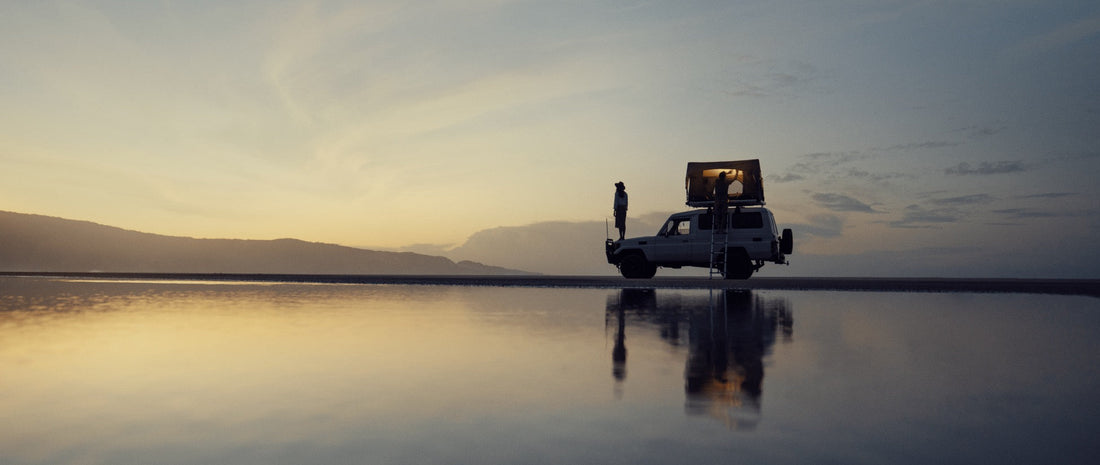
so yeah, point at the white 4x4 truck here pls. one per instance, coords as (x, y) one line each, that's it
(691, 238)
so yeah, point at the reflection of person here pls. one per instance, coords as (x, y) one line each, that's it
(620, 209)
(721, 201)
(618, 353)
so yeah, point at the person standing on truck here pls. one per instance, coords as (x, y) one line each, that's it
(620, 209)
(721, 202)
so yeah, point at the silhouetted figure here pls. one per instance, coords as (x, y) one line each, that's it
(618, 352)
(721, 201)
(620, 209)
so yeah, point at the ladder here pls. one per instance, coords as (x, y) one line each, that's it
(718, 249)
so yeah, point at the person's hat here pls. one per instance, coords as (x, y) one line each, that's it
(620, 184)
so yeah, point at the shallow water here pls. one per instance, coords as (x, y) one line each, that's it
(186, 372)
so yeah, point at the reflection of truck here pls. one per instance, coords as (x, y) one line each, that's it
(691, 238)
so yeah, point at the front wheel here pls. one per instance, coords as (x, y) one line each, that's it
(635, 266)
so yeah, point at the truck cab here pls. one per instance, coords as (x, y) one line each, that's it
(690, 238)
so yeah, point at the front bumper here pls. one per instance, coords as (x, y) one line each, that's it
(609, 249)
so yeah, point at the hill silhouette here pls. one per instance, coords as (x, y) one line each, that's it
(41, 243)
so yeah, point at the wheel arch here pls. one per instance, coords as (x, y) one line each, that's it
(621, 254)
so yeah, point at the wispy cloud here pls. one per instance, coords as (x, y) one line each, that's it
(786, 177)
(1048, 195)
(964, 200)
(1026, 213)
(986, 168)
(1064, 35)
(857, 173)
(764, 78)
(820, 163)
(933, 144)
(979, 132)
(916, 216)
(841, 203)
(824, 225)
(937, 209)
(855, 165)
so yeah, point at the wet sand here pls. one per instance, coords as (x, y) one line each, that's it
(1090, 287)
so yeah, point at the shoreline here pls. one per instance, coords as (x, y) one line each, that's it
(1087, 287)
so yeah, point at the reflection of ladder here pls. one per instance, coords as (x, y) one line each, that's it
(718, 249)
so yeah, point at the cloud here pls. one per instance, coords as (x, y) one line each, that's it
(819, 164)
(936, 144)
(916, 216)
(978, 132)
(841, 203)
(940, 210)
(1048, 195)
(1031, 213)
(787, 177)
(877, 177)
(832, 165)
(986, 168)
(829, 165)
(832, 157)
(764, 78)
(965, 200)
(820, 226)
(1062, 36)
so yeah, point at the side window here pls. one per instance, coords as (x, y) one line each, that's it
(678, 227)
(750, 220)
(683, 227)
(669, 228)
(705, 222)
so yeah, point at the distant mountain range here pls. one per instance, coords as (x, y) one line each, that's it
(42, 243)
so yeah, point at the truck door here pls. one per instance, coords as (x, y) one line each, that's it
(678, 241)
(747, 230)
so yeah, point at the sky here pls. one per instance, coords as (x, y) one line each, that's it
(962, 134)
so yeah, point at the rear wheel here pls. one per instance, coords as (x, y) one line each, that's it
(738, 265)
(635, 266)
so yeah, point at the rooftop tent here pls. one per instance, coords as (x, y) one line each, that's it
(746, 182)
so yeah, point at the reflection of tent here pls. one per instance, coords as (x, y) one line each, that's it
(747, 186)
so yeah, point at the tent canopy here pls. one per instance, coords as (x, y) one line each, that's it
(746, 182)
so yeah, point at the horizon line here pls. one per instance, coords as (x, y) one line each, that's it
(1061, 286)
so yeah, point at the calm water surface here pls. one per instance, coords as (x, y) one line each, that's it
(238, 373)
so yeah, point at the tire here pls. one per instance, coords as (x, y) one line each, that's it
(738, 265)
(635, 266)
(786, 242)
